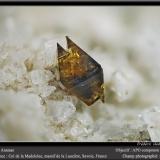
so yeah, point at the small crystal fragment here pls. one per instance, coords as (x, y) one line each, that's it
(29, 64)
(80, 74)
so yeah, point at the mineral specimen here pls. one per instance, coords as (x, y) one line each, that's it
(80, 74)
(32, 105)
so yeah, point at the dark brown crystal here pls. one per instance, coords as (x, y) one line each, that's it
(80, 74)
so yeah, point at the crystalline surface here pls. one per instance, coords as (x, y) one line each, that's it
(151, 119)
(80, 73)
(61, 111)
(33, 105)
(24, 106)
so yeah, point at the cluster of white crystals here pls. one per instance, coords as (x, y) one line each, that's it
(33, 104)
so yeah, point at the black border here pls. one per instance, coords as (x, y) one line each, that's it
(78, 2)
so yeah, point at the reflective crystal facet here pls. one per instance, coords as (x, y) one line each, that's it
(80, 74)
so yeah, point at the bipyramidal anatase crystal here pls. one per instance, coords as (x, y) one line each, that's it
(80, 74)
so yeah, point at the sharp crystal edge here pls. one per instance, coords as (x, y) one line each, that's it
(80, 74)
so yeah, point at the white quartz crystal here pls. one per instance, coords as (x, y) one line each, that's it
(39, 77)
(120, 85)
(50, 52)
(152, 121)
(45, 91)
(61, 111)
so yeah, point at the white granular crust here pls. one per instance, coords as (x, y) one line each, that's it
(33, 106)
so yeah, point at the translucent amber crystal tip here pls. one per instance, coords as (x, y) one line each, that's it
(80, 74)
(70, 43)
(61, 51)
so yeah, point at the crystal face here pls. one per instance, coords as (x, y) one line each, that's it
(80, 74)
